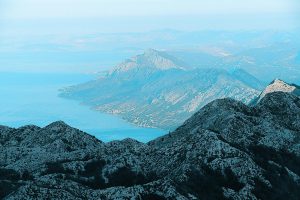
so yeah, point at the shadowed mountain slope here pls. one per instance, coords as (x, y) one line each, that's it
(226, 150)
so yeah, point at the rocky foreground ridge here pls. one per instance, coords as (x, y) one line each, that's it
(227, 150)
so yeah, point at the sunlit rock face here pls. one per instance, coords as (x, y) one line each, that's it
(156, 89)
(279, 86)
(226, 150)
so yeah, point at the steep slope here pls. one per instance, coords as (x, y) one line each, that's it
(247, 78)
(155, 90)
(259, 145)
(227, 150)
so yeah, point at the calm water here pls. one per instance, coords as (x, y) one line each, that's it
(33, 99)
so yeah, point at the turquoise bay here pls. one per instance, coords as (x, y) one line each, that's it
(28, 98)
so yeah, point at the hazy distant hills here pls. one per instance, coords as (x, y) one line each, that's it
(265, 62)
(159, 89)
(270, 62)
(264, 54)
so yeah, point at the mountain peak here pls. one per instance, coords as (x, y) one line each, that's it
(151, 59)
(278, 81)
(57, 123)
(151, 52)
(58, 126)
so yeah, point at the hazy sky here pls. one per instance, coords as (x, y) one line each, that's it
(92, 16)
(61, 9)
(30, 29)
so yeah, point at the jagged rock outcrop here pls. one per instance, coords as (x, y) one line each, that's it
(278, 86)
(227, 150)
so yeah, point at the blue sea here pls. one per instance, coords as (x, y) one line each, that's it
(32, 98)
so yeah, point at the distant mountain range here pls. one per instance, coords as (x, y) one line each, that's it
(226, 150)
(157, 89)
(266, 61)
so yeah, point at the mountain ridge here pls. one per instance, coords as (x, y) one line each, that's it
(226, 150)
